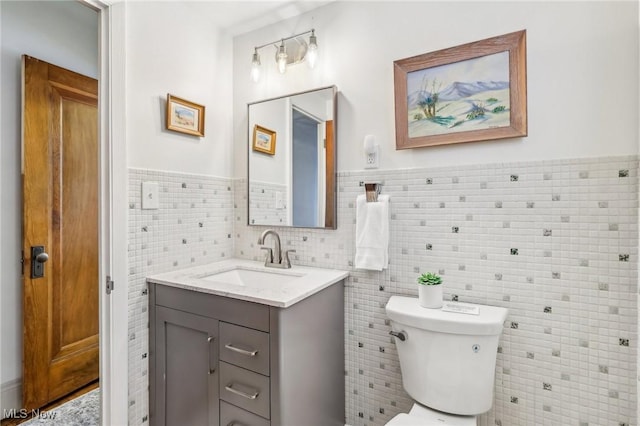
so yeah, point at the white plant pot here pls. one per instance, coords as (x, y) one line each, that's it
(430, 296)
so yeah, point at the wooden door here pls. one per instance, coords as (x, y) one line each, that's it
(330, 181)
(60, 214)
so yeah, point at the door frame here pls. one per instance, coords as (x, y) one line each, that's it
(113, 212)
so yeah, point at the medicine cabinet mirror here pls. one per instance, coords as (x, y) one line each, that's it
(292, 160)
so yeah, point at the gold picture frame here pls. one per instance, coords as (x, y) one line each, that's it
(472, 92)
(264, 140)
(184, 116)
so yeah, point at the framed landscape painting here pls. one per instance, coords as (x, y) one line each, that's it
(473, 92)
(184, 116)
(264, 140)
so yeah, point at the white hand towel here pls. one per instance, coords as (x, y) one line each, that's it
(372, 233)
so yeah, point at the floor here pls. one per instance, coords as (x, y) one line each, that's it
(82, 408)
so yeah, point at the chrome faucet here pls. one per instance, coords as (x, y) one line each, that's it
(275, 260)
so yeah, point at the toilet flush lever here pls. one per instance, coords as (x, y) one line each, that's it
(399, 335)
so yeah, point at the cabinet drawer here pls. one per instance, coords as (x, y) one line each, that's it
(244, 347)
(245, 389)
(230, 415)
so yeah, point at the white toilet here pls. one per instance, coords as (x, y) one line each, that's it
(447, 360)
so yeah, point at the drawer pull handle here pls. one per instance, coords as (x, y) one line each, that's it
(241, 351)
(235, 423)
(209, 340)
(240, 393)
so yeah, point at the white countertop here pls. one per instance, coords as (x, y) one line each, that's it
(297, 283)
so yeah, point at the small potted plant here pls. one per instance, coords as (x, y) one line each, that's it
(430, 290)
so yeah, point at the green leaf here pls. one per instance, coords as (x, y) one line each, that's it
(430, 278)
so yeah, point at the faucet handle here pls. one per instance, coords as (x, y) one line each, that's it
(269, 257)
(286, 261)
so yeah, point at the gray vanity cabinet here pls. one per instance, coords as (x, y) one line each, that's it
(186, 368)
(222, 361)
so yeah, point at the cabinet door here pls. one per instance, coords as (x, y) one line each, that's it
(186, 369)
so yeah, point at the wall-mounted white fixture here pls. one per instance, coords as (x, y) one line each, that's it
(371, 152)
(289, 50)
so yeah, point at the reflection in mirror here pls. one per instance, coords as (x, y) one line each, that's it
(292, 160)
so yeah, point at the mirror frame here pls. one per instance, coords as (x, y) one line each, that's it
(331, 193)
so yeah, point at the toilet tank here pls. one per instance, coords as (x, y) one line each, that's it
(447, 359)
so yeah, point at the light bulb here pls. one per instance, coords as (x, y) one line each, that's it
(312, 52)
(282, 59)
(255, 67)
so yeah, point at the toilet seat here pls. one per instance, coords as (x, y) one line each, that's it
(403, 420)
(423, 416)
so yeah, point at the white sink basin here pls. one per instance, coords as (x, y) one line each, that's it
(251, 277)
(252, 281)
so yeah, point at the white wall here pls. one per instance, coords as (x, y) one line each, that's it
(319, 104)
(173, 49)
(583, 102)
(582, 62)
(587, 52)
(63, 33)
(273, 115)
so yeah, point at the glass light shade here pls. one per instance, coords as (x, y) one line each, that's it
(255, 67)
(312, 51)
(282, 59)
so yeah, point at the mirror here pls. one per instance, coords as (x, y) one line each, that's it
(292, 161)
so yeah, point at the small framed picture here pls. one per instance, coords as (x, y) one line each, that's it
(184, 116)
(264, 140)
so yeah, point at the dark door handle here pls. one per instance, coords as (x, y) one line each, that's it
(38, 258)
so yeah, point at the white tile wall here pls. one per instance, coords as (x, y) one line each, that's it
(193, 226)
(553, 241)
(263, 206)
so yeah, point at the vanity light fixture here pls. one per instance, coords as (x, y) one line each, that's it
(289, 50)
(312, 52)
(255, 66)
(282, 58)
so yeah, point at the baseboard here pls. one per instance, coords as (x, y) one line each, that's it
(11, 396)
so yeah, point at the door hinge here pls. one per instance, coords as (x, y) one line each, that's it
(110, 284)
